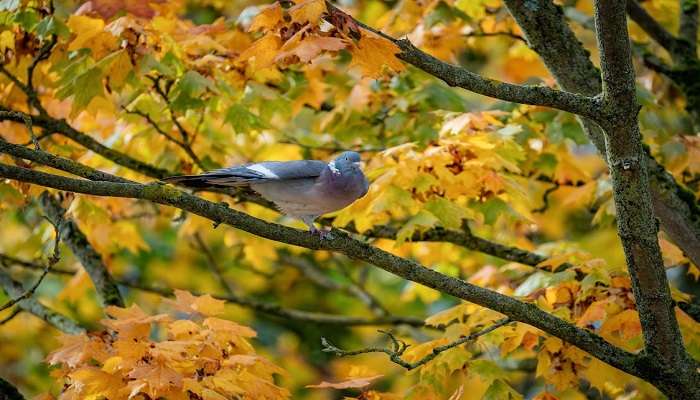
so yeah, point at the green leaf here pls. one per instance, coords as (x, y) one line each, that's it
(573, 131)
(243, 120)
(52, 26)
(189, 90)
(422, 220)
(441, 97)
(449, 213)
(87, 86)
(27, 19)
(492, 209)
(500, 390)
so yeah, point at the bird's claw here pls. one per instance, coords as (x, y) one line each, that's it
(322, 234)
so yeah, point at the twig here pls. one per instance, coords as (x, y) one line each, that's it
(30, 90)
(27, 122)
(10, 317)
(496, 34)
(652, 27)
(311, 272)
(270, 309)
(183, 132)
(53, 259)
(182, 144)
(31, 305)
(545, 198)
(90, 259)
(399, 347)
(214, 264)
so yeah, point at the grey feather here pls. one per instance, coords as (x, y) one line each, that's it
(303, 189)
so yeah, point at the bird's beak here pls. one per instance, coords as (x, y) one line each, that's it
(359, 164)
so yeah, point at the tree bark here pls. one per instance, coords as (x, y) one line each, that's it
(637, 226)
(548, 33)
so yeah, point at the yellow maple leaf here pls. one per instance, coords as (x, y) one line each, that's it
(262, 53)
(309, 48)
(267, 18)
(372, 54)
(90, 33)
(308, 11)
(204, 305)
(353, 383)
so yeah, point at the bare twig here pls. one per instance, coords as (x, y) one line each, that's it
(31, 305)
(269, 309)
(399, 347)
(180, 143)
(311, 272)
(27, 122)
(10, 317)
(652, 27)
(53, 259)
(214, 264)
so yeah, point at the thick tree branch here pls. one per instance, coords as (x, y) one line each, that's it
(342, 243)
(636, 224)
(462, 238)
(31, 305)
(548, 33)
(399, 347)
(92, 262)
(460, 77)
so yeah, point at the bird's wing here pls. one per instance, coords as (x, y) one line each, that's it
(253, 173)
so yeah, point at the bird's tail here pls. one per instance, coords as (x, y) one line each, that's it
(217, 179)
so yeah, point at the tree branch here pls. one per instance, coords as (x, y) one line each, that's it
(312, 273)
(180, 143)
(53, 259)
(399, 347)
(652, 27)
(269, 309)
(462, 238)
(31, 305)
(92, 262)
(568, 61)
(636, 224)
(8, 391)
(342, 243)
(688, 26)
(460, 77)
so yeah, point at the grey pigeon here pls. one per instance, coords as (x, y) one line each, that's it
(303, 189)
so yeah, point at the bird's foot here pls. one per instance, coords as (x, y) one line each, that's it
(322, 233)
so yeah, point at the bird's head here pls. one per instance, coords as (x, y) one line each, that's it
(348, 161)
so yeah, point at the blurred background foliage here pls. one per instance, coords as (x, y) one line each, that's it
(126, 71)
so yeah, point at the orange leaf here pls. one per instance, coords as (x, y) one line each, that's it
(310, 47)
(231, 327)
(308, 11)
(267, 18)
(354, 383)
(372, 53)
(263, 51)
(204, 305)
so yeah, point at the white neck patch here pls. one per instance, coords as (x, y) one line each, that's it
(333, 168)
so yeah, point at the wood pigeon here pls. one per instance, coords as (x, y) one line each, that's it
(304, 189)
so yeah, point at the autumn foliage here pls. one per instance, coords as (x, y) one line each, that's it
(508, 197)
